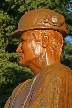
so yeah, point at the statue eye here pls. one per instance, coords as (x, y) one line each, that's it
(22, 40)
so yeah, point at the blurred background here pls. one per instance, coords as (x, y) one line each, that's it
(10, 12)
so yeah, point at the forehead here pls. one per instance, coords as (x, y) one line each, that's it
(37, 33)
(31, 34)
(23, 34)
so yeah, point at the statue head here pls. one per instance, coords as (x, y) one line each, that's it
(41, 32)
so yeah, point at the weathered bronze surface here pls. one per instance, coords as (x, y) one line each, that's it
(41, 19)
(40, 48)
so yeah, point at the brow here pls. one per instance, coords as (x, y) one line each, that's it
(21, 39)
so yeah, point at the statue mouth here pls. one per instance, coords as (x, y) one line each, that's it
(19, 59)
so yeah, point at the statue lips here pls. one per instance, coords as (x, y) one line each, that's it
(18, 60)
(19, 57)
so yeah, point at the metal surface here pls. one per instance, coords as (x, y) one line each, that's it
(41, 19)
(40, 48)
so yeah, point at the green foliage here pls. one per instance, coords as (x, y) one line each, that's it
(11, 75)
(10, 12)
(67, 54)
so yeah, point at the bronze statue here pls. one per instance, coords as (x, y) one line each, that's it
(41, 32)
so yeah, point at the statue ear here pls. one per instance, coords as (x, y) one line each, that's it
(45, 40)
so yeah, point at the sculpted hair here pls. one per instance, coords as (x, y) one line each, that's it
(55, 39)
(55, 42)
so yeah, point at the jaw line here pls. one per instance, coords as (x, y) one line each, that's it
(29, 63)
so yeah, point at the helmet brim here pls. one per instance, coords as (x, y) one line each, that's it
(17, 33)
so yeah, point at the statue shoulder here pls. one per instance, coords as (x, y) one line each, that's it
(16, 92)
(58, 68)
(20, 86)
(57, 71)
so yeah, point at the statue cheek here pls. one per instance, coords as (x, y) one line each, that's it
(38, 49)
(35, 48)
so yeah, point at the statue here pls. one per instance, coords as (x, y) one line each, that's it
(41, 32)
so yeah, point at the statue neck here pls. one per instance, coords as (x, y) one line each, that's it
(38, 64)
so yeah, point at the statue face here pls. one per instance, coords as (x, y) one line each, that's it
(39, 47)
(30, 47)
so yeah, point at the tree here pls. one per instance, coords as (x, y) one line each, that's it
(10, 12)
(67, 54)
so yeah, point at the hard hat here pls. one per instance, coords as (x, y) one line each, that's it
(41, 19)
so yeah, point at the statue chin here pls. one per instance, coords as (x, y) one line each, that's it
(20, 61)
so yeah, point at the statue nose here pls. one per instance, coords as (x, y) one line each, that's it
(19, 50)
